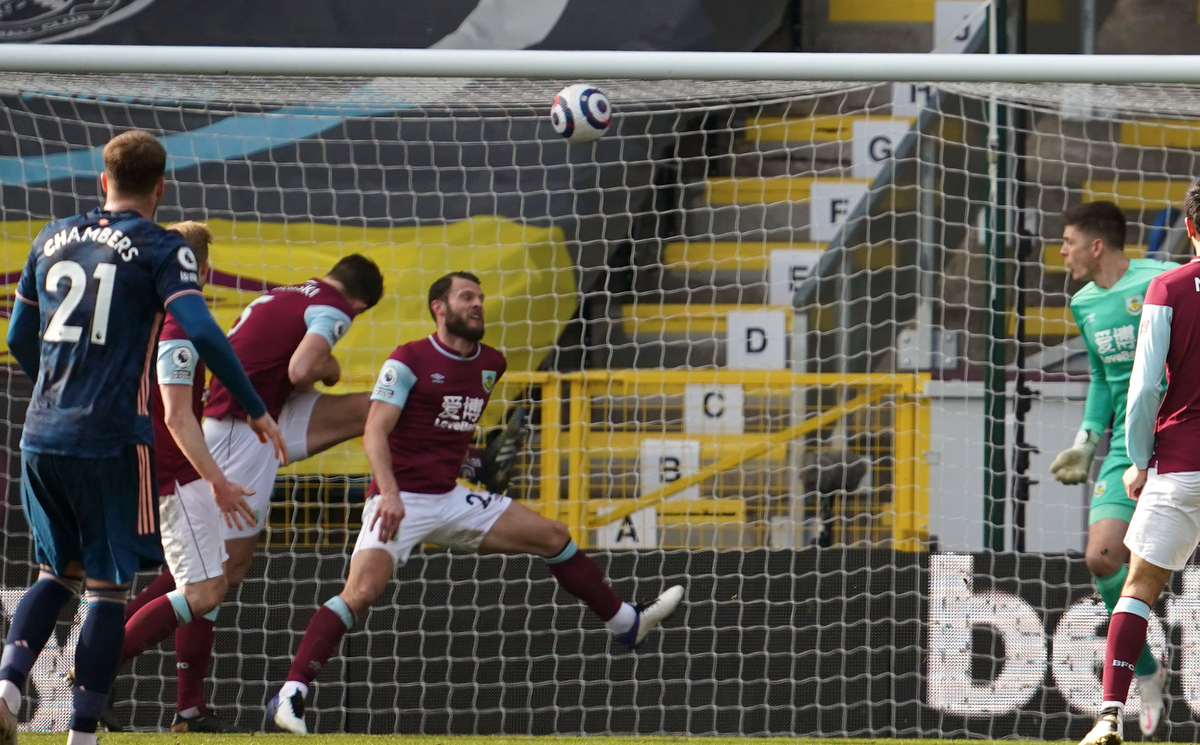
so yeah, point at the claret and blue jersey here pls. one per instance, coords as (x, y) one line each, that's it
(100, 282)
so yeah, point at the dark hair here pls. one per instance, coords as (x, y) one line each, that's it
(135, 161)
(359, 277)
(441, 287)
(1191, 202)
(1103, 220)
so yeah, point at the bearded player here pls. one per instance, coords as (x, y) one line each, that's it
(424, 410)
(1107, 311)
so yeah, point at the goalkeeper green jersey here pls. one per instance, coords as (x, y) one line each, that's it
(1108, 322)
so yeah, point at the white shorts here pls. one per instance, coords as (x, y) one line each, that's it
(1166, 522)
(191, 533)
(253, 464)
(460, 518)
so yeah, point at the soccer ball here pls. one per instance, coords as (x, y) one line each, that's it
(580, 113)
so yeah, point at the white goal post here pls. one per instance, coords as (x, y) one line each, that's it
(752, 324)
(617, 65)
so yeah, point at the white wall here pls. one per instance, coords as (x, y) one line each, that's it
(1056, 515)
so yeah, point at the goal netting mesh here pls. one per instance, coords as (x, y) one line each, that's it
(802, 347)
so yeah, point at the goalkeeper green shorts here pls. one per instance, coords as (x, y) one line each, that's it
(1108, 495)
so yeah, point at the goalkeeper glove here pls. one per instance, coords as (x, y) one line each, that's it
(501, 453)
(1071, 466)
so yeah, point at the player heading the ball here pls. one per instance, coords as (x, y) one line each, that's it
(89, 306)
(425, 407)
(284, 338)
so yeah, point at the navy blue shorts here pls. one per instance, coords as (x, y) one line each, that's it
(100, 512)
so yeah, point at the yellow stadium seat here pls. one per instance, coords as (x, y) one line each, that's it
(1052, 258)
(724, 255)
(672, 318)
(882, 11)
(766, 190)
(1049, 324)
(1133, 194)
(798, 131)
(1159, 133)
(922, 11)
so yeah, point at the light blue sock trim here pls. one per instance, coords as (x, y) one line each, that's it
(114, 595)
(183, 611)
(568, 551)
(212, 614)
(338, 606)
(1132, 605)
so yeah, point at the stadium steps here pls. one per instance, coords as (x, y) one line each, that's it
(1053, 261)
(784, 222)
(896, 25)
(722, 256)
(1137, 195)
(1183, 134)
(769, 131)
(670, 354)
(731, 224)
(754, 209)
(1070, 152)
(716, 272)
(920, 11)
(695, 322)
(686, 287)
(757, 190)
(1051, 325)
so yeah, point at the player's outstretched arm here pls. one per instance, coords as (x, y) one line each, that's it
(381, 419)
(24, 327)
(181, 421)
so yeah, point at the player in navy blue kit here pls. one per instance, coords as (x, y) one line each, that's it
(94, 290)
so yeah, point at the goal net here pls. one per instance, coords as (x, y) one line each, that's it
(803, 347)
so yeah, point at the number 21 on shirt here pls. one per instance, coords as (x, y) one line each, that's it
(77, 284)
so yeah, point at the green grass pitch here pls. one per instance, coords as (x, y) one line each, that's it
(167, 738)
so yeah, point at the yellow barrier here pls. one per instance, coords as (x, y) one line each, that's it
(881, 418)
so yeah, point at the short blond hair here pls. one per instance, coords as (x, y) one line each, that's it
(197, 235)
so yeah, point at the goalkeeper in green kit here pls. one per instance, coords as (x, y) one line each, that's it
(1107, 311)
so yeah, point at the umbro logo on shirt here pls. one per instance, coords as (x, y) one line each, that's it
(437, 378)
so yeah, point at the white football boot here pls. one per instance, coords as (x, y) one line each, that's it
(649, 616)
(1151, 689)
(288, 713)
